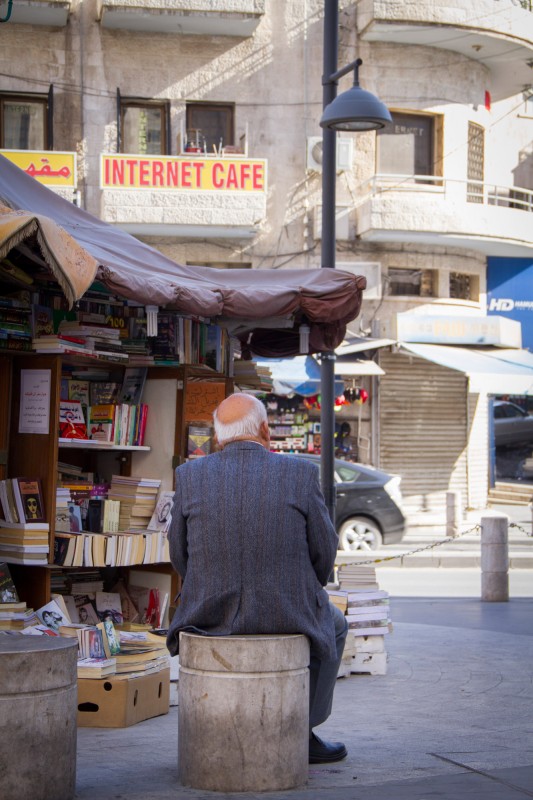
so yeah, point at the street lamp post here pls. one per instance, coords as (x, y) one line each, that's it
(353, 110)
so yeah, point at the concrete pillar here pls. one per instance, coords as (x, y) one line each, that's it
(454, 514)
(38, 707)
(495, 558)
(243, 712)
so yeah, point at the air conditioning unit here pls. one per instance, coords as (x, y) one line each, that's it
(344, 153)
(371, 270)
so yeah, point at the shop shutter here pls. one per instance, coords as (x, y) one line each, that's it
(423, 421)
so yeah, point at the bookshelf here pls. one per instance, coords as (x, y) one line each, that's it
(38, 454)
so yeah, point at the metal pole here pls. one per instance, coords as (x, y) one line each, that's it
(329, 152)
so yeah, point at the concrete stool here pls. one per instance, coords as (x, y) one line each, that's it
(243, 712)
(38, 707)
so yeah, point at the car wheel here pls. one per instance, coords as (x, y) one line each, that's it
(359, 533)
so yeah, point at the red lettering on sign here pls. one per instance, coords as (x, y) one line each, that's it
(186, 174)
(172, 173)
(257, 180)
(144, 176)
(198, 166)
(218, 182)
(245, 174)
(131, 164)
(157, 173)
(231, 181)
(118, 173)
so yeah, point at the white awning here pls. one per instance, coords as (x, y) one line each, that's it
(489, 370)
(357, 344)
(357, 366)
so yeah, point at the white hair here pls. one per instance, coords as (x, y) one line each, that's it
(248, 425)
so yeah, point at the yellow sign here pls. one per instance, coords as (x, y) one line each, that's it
(50, 167)
(192, 173)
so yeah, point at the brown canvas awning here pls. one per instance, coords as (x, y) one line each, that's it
(263, 307)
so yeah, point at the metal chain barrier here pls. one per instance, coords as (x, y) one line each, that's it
(521, 529)
(474, 529)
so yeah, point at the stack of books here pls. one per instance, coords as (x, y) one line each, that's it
(15, 330)
(14, 613)
(138, 497)
(367, 610)
(103, 341)
(141, 653)
(253, 375)
(24, 543)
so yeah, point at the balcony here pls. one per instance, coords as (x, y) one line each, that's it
(431, 210)
(496, 33)
(197, 17)
(193, 196)
(39, 12)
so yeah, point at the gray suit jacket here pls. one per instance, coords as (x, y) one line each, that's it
(252, 539)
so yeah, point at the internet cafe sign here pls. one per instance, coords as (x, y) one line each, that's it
(51, 168)
(184, 173)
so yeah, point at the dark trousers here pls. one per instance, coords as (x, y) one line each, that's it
(323, 674)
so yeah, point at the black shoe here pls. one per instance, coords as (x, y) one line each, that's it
(321, 752)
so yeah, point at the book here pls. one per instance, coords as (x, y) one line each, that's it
(90, 668)
(110, 637)
(42, 321)
(102, 422)
(108, 605)
(162, 514)
(104, 392)
(74, 518)
(7, 501)
(133, 385)
(199, 441)
(78, 390)
(8, 591)
(29, 499)
(72, 423)
(52, 616)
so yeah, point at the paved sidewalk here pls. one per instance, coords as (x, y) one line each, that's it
(452, 719)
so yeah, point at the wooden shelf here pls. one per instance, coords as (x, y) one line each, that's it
(90, 444)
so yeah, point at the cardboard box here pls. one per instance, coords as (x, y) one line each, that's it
(112, 703)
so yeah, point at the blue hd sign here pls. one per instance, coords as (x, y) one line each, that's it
(510, 292)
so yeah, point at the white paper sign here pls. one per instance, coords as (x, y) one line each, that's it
(35, 400)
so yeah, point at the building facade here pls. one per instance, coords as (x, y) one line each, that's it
(195, 126)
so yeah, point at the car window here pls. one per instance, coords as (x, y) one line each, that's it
(347, 474)
(514, 411)
(499, 412)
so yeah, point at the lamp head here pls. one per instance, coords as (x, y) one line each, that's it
(356, 109)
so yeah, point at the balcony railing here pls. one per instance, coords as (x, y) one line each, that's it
(470, 190)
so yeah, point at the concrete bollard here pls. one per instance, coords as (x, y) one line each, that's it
(454, 514)
(243, 712)
(495, 558)
(38, 707)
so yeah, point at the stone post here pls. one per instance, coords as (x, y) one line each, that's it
(495, 558)
(454, 515)
(243, 721)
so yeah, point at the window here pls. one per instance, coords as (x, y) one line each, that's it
(464, 287)
(143, 127)
(210, 125)
(408, 146)
(24, 121)
(412, 282)
(475, 162)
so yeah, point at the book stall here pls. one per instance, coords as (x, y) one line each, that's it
(112, 360)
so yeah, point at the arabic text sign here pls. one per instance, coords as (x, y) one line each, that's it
(196, 173)
(34, 401)
(51, 168)
(202, 398)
